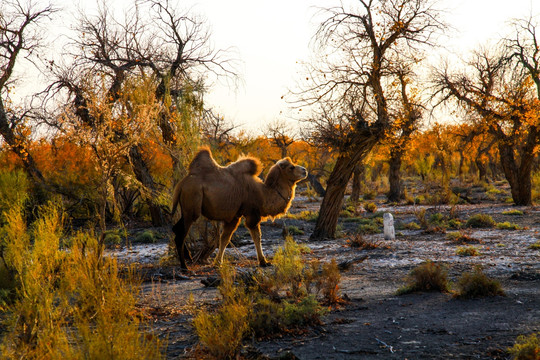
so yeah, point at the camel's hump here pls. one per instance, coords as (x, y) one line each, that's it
(203, 160)
(246, 165)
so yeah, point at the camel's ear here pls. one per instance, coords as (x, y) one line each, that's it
(273, 176)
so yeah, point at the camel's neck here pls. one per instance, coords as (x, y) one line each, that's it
(278, 199)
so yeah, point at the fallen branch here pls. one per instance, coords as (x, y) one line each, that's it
(391, 348)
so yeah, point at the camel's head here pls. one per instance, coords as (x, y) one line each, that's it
(285, 169)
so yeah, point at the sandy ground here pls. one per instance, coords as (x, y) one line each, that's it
(376, 323)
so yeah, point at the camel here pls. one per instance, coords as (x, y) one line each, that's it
(228, 193)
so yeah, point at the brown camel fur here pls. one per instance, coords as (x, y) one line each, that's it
(228, 193)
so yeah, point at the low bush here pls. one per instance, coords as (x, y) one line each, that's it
(535, 246)
(68, 304)
(369, 228)
(476, 284)
(480, 221)
(508, 226)
(146, 237)
(513, 212)
(526, 348)
(294, 230)
(467, 251)
(411, 226)
(427, 276)
(305, 215)
(370, 207)
(359, 242)
(460, 237)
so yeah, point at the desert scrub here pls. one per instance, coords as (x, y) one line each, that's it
(535, 246)
(305, 215)
(271, 301)
(526, 348)
(427, 276)
(480, 221)
(476, 284)
(460, 237)
(69, 304)
(411, 226)
(370, 207)
(222, 332)
(146, 237)
(467, 251)
(508, 226)
(359, 242)
(293, 230)
(514, 212)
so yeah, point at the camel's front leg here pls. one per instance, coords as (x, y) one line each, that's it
(255, 232)
(228, 229)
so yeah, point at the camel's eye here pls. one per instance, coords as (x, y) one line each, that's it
(292, 167)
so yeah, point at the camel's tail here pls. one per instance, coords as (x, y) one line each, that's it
(176, 197)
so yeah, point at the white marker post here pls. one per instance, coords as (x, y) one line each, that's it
(389, 232)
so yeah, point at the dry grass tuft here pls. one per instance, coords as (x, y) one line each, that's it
(477, 284)
(427, 276)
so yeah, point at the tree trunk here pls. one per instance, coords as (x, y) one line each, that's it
(325, 228)
(143, 175)
(358, 174)
(333, 200)
(482, 172)
(394, 177)
(519, 178)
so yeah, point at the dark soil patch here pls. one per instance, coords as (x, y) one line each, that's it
(375, 323)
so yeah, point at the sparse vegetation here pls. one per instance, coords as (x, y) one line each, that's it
(274, 300)
(467, 251)
(476, 284)
(480, 221)
(535, 246)
(526, 347)
(428, 276)
(370, 207)
(508, 226)
(514, 212)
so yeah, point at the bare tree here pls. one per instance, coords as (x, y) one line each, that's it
(405, 124)
(502, 87)
(19, 38)
(154, 39)
(281, 134)
(346, 90)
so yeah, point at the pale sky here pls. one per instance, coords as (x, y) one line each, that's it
(272, 37)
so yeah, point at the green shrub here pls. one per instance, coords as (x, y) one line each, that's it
(526, 348)
(455, 224)
(508, 226)
(535, 246)
(69, 304)
(513, 212)
(480, 221)
(369, 228)
(477, 284)
(113, 237)
(14, 186)
(412, 226)
(305, 215)
(145, 237)
(221, 333)
(370, 207)
(427, 276)
(294, 230)
(467, 251)
(437, 219)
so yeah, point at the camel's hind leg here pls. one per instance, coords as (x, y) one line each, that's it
(181, 229)
(254, 226)
(228, 229)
